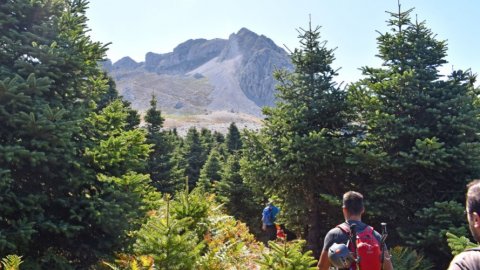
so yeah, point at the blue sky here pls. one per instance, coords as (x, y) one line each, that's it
(141, 26)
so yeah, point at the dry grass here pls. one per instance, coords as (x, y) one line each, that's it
(215, 121)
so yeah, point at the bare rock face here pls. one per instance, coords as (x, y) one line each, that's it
(203, 76)
(185, 57)
(126, 63)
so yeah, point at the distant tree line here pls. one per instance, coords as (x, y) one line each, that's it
(81, 180)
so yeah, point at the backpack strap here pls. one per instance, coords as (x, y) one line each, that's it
(344, 227)
(369, 229)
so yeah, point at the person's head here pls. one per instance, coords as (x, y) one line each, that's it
(352, 205)
(473, 208)
(269, 202)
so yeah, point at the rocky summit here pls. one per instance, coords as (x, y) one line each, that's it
(202, 77)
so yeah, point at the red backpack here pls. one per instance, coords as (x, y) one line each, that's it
(368, 248)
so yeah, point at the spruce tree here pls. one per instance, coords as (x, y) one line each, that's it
(161, 163)
(218, 137)
(211, 171)
(55, 213)
(238, 198)
(301, 151)
(420, 143)
(119, 156)
(110, 95)
(233, 138)
(194, 155)
(153, 117)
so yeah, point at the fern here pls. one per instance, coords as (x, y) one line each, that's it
(12, 262)
(408, 259)
(126, 262)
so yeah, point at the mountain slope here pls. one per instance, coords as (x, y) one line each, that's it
(202, 76)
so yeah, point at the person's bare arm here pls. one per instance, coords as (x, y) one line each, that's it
(323, 262)
(387, 262)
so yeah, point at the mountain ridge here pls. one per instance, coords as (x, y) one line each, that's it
(201, 76)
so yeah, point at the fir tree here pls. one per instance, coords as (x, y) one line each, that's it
(301, 152)
(119, 157)
(194, 155)
(161, 162)
(218, 137)
(153, 117)
(420, 142)
(211, 171)
(238, 198)
(49, 79)
(111, 94)
(233, 138)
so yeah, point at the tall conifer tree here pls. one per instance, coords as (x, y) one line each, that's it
(194, 155)
(420, 142)
(233, 139)
(161, 163)
(301, 151)
(49, 80)
(211, 171)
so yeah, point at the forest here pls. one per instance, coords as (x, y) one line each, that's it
(86, 182)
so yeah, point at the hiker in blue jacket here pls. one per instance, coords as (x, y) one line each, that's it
(269, 214)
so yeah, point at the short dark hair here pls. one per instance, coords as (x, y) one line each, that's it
(473, 196)
(353, 202)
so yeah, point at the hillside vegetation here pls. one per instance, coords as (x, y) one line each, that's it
(85, 185)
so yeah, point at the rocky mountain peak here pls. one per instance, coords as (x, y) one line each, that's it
(125, 63)
(200, 75)
(246, 42)
(185, 57)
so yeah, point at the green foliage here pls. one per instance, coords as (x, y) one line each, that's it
(170, 241)
(115, 149)
(420, 143)
(302, 149)
(192, 232)
(162, 163)
(119, 156)
(194, 207)
(233, 139)
(431, 226)
(237, 197)
(211, 171)
(408, 259)
(54, 210)
(153, 117)
(458, 244)
(126, 262)
(116, 153)
(195, 155)
(287, 256)
(229, 244)
(12, 262)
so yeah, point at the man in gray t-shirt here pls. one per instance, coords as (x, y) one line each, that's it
(467, 260)
(470, 259)
(336, 235)
(352, 211)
